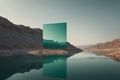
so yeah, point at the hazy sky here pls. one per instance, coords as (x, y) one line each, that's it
(88, 21)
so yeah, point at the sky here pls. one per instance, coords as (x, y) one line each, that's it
(88, 21)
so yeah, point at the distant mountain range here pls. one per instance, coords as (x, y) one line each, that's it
(84, 46)
(109, 48)
(14, 37)
(108, 45)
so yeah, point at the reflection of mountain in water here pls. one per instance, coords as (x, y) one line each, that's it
(19, 64)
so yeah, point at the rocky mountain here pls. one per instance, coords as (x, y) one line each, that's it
(108, 45)
(14, 36)
(71, 48)
(110, 48)
(18, 36)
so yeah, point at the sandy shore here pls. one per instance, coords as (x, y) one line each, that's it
(32, 52)
(48, 52)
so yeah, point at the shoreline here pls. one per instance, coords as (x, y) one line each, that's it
(37, 52)
(48, 52)
(112, 53)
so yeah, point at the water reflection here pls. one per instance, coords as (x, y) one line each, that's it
(18, 64)
(29, 67)
(54, 66)
(81, 66)
(88, 66)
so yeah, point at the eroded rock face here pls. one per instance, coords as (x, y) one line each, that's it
(72, 49)
(14, 37)
(107, 45)
(18, 36)
(111, 49)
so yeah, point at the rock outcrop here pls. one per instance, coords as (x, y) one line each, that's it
(72, 49)
(111, 49)
(111, 44)
(18, 36)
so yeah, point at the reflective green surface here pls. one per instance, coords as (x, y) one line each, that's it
(55, 36)
(55, 66)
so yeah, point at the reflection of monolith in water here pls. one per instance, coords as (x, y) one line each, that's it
(54, 37)
(55, 66)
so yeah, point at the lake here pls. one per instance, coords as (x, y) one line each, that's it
(81, 66)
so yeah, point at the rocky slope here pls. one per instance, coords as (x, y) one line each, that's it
(17, 37)
(111, 49)
(72, 49)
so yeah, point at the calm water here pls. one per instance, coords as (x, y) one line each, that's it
(81, 66)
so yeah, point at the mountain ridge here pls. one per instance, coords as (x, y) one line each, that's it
(109, 48)
(13, 36)
(18, 36)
